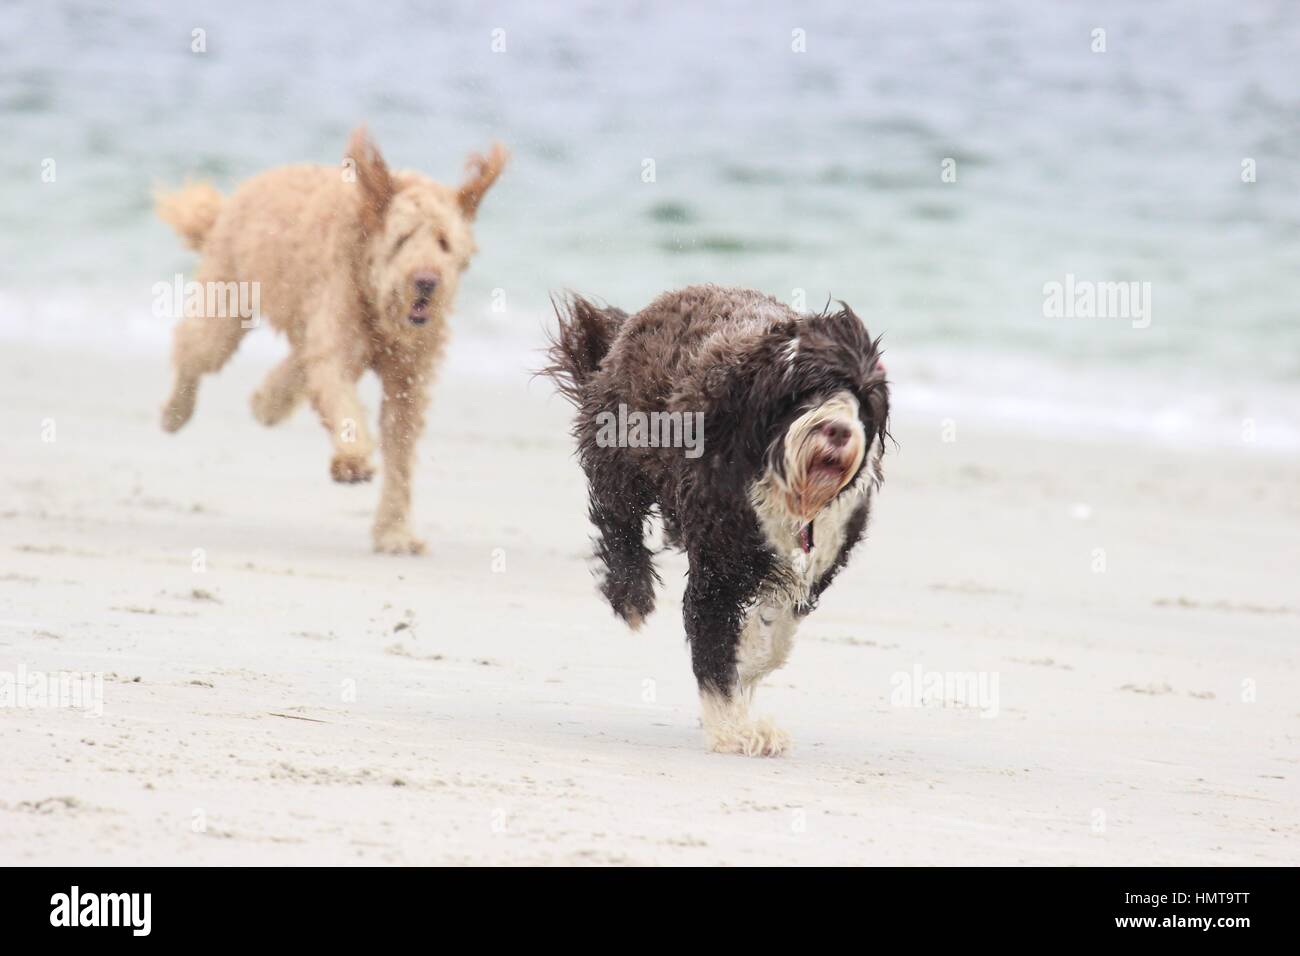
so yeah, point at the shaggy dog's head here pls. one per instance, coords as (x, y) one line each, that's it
(417, 235)
(819, 453)
(797, 413)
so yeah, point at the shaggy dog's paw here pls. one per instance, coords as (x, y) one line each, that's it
(631, 594)
(634, 615)
(351, 469)
(397, 540)
(178, 409)
(758, 738)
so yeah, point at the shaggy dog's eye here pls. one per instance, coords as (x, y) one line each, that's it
(401, 242)
(443, 244)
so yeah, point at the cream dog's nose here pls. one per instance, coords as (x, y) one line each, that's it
(425, 283)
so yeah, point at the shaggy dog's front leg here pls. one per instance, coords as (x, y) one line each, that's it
(619, 506)
(715, 609)
(628, 580)
(401, 420)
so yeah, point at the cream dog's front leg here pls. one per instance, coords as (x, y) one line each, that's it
(401, 420)
(333, 394)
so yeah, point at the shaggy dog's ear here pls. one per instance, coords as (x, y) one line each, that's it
(740, 388)
(840, 341)
(482, 173)
(371, 177)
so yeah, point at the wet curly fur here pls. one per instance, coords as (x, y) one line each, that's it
(795, 413)
(358, 266)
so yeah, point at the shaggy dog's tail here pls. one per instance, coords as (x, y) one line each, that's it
(585, 334)
(190, 210)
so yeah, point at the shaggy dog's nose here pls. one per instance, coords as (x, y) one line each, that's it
(837, 433)
(425, 283)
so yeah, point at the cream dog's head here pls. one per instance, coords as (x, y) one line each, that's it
(418, 235)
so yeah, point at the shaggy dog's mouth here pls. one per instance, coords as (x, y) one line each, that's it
(419, 313)
(828, 467)
(827, 471)
(825, 474)
(806, 537)
(823, 450)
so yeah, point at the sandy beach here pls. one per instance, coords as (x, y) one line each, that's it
(273, 693)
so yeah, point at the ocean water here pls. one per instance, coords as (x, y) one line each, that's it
(796, 148)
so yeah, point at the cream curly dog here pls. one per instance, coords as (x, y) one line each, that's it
(358, 266)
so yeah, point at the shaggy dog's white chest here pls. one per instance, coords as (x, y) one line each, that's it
(805, 566)
(768, 632)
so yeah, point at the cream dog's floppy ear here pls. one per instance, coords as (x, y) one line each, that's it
(374, 183)
(482, 173)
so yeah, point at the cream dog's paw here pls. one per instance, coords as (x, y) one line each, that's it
(351, 469)
(756, 738)
(178, 409)
(397, 540)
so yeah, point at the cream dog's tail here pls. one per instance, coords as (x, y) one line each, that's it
(190, 210)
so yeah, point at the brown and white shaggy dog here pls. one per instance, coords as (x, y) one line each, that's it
(358, 266)
(794, 409)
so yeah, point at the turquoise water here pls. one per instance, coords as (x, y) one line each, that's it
(810, 174)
